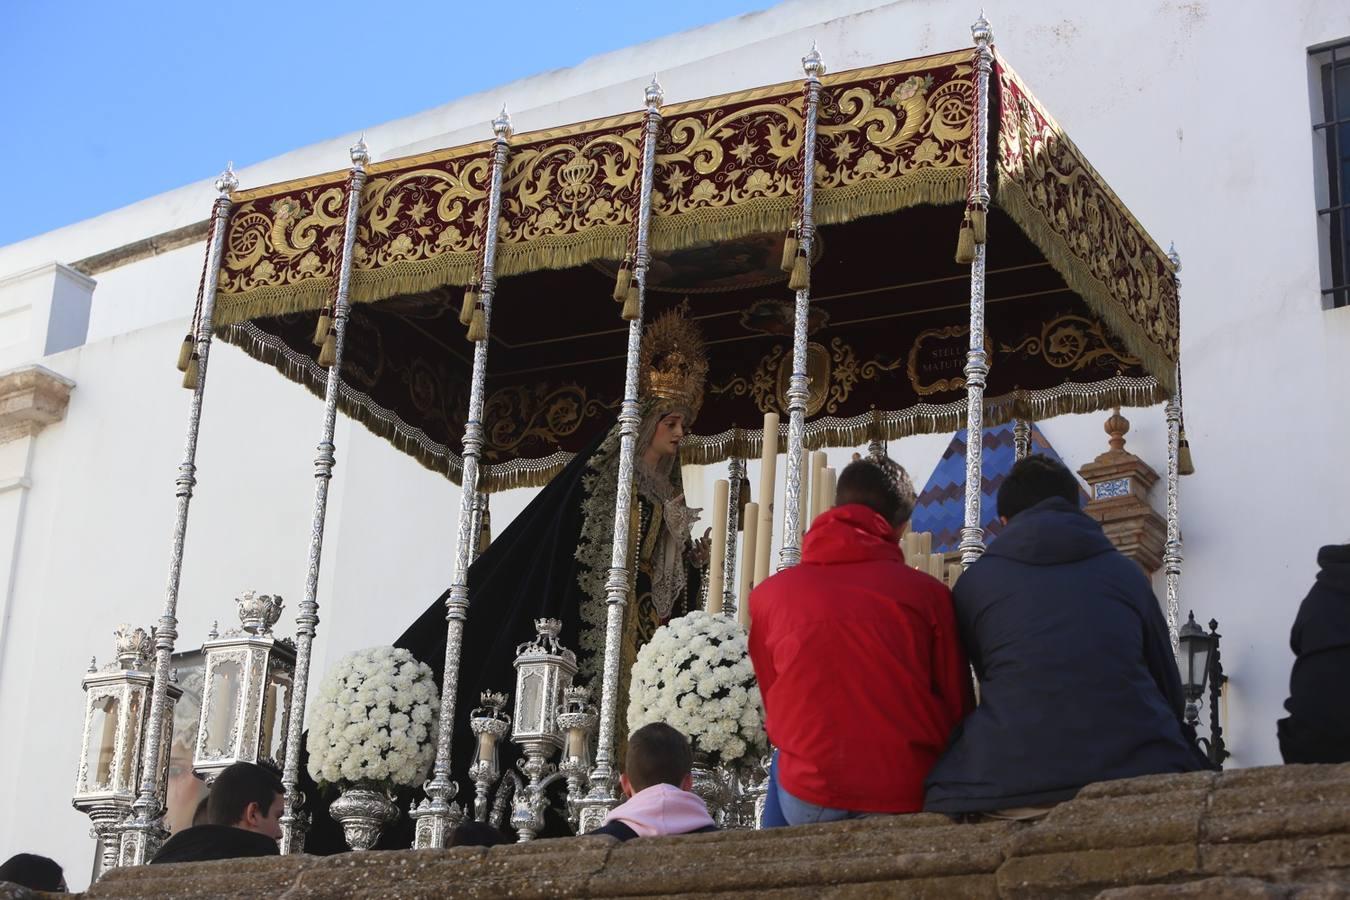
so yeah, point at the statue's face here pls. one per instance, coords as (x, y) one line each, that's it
(669, 433)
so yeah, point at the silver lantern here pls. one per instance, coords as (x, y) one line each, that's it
(576, 718)
(544, 669)
(489, 723)
(116, 715)
(246, 699)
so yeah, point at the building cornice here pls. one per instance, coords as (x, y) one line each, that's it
(31, 398)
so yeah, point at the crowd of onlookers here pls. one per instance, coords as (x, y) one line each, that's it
(865, 666)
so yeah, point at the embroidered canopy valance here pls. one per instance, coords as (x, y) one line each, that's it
(1081, 304)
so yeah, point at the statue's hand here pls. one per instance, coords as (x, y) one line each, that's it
(701, 550)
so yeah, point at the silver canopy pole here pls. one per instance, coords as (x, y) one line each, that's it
(142, 835)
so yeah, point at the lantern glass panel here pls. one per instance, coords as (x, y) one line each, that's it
(531, 708)
(222, 701)
(102, 743)
(272, 743)
(578, 746)
(1199, 662)
(487, 753)
(126, 772)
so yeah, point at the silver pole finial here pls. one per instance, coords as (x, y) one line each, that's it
(360, 153)
(1174, 256)
(981, 31)
(655, 96)
(501, 126)
(227, 181)
(812, 63)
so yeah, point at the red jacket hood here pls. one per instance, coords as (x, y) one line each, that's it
(850, 534)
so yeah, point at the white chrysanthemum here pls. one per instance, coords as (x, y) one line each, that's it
(695, 675)
(374, 719)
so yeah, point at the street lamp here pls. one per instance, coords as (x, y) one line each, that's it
(1195, 648)
(1200, 654)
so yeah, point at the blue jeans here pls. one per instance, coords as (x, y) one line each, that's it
(781, 808)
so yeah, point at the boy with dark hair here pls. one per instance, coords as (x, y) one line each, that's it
(656, 781)
(1077, 679)
(37, 873)
(243, 815)
(854, 623)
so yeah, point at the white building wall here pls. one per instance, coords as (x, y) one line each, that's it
(1196, 113)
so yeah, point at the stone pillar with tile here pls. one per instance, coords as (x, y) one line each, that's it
(1118, 483)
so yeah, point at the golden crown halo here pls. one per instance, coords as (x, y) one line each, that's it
(674, 361)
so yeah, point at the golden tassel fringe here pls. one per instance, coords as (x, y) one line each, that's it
(621, 283)
(800, 279)
(192, 372)
(185, 351)
(630, 304)
(469, 305)
(978, 224)
(328, 351)
(965, 245)
(756, 216)
(708, 450)
(790, 245)
(322, 327)
(477, 326)
(1185, 465)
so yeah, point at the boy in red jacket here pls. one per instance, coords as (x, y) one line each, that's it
(858, 658)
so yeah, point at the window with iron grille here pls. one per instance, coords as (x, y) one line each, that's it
(1330, 69)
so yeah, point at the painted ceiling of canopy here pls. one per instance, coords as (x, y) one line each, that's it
(1081, 303)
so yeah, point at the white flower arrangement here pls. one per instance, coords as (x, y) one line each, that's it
(695, 675)
(374, 720)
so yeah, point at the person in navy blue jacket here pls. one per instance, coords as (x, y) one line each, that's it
(1077, 678)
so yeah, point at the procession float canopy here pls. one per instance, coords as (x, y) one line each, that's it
(1081, 304)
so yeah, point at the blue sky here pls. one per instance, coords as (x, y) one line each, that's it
(106, 103)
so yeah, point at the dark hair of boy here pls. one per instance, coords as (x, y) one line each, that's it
(657, 754)
(37, 873)
(1034, 480)
(238, 786)
(881, 485)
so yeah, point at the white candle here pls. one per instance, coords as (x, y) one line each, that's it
(817, 482)
(827, 496)
(717, 558)
(748, 547)
(768, 469)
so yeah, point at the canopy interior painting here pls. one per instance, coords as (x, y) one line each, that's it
(1081, 304)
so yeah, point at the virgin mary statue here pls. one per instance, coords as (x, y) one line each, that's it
(553, 560)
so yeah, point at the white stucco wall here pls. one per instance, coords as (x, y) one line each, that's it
(1197, 113)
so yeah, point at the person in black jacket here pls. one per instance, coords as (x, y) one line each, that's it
(243, 815)
(1077, 678)
(1317, 729)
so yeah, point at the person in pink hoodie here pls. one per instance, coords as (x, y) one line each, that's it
(656, 781)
